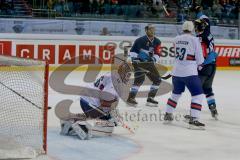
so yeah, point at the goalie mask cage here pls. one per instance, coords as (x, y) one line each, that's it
(23, 107)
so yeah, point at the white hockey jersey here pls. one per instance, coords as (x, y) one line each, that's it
(106, 89)
(189, 55)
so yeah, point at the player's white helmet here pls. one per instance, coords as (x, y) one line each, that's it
(124, 71)
(188, 26)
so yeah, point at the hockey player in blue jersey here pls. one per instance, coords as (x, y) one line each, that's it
(144, 53)
(207, 74)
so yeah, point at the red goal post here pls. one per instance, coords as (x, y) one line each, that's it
(23, 104)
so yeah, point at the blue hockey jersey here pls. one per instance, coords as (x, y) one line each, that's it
(144, 44)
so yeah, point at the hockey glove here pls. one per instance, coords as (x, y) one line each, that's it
(144, 57)
(210, 58)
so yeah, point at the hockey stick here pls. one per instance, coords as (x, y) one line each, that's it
(120, 59)
(163, 77)
(164, 8)
(22, 96)
(167, 76)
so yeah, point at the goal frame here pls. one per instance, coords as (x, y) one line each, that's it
(45, 90)
(45, 115)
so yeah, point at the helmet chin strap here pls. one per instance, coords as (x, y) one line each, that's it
(150, 38)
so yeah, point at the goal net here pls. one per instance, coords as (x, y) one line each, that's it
(23, 107)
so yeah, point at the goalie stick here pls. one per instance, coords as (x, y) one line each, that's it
(124, 125)
(163, 77)
(35, 105)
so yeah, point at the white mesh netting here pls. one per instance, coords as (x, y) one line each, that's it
(22, 104)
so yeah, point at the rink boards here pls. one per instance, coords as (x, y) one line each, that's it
(97, 51)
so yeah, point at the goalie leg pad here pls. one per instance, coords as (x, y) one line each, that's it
(66, 127)
(103, 128)
(80, 130)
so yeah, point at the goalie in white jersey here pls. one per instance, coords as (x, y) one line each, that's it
(189, 58)
(99, 103)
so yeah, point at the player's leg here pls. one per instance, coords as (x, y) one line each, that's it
(208, 91)
(193, 84)
(208, 77)
(139, 77)
(154, 76)
(178, 89)
(90, 111)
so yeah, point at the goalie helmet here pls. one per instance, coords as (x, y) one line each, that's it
(124, 71)
(200, 25)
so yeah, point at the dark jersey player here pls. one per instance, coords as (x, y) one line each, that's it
(144, 53)
(207, 74)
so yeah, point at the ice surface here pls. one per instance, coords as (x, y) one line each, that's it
(154, 140)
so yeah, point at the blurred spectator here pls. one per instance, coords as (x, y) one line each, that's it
(51, 3)
(228, 9)
(85, 7)
(155, 9)
(184, 4)
(101, 7)
(181, 15)
(94, 6)
(217, 9)
(206, 4)
(7, 7)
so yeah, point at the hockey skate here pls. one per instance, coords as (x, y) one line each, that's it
(168, 118)
(187, 118)
(214, 111)
(132, 102)
(151, 102)
(194, 124)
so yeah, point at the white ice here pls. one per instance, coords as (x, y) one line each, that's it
(154, 140)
